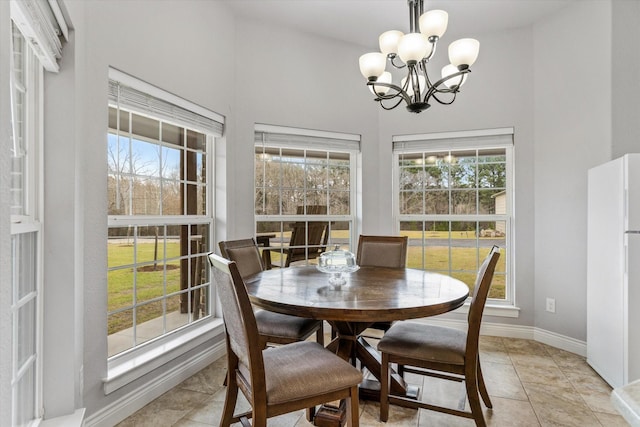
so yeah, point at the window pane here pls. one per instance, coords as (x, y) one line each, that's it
(177, 318)
(24, 256)
(170, 163)
(24, 397)
(145, 127)
(26, 343)
(172, 134)
(463, 202)
(463, 172)
(436, 202)
(339, 203)
(196, 141)
(462, 182)
(120, 331)
(437, 253)
(411, 202)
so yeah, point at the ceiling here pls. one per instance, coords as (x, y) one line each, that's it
(362, 21)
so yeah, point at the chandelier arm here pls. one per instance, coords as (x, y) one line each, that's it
(423, 67)
(433, 95)
(399, 92)
(390, 108)
(434, 42)
(415, 83)
(434, 88)
(392, 57)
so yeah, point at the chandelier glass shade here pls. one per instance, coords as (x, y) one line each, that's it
(412, 51)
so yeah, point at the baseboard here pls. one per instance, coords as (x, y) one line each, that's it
(516, 331)
(146, 393)
(72, 420)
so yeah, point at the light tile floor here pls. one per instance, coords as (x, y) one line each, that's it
(530, 384)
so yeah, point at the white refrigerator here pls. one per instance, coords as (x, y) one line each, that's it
(613, 270)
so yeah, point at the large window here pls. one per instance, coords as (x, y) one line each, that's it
(25, 231)
(454, 201)
(160, 215)
(305, 185)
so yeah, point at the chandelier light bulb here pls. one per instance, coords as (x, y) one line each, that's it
(413, 47)
(381, 90)
(464, 52)
(450, 69)
(434, 23)
(389, 41)
(372, 65)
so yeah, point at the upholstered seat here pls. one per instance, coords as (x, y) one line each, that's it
(442, 352)
(274, 328)
(419, 341)
(276, 380)
(313, 371)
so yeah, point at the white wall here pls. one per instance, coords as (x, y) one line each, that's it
(572, 81)
(298, 80)
(185, 49)
(626, 69)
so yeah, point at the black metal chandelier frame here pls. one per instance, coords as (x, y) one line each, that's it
(417, 102)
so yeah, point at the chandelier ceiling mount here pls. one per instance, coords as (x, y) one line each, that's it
(413, 51)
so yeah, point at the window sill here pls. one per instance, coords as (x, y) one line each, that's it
(125, 370)
(494, 310)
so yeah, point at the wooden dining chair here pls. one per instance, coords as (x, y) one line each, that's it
(274, 328)
(277, 380)
(441, 352)
(308, 238)
(382, 251)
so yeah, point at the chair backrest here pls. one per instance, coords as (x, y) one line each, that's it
(479, 298)
(311, 210)
(382, 251)
(240, 324)
(245, 253)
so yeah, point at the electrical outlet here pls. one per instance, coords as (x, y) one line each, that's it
(551, 305)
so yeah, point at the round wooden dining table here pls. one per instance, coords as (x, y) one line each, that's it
(369, 295)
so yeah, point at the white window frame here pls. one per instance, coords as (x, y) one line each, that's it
(475, 139)
(29, 221)
(285, 137)
(130, 365)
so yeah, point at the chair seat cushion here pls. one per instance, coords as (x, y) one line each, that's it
(425, 342)
(284, 326)
(304, 369)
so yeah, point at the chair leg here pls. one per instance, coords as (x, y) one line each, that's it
(384, 388)
(229, 401)
(320, 335)
(311, 413)
(483, 389)
(352, 408)
(471, 384)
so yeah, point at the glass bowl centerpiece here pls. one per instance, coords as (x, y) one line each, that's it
(336, 262)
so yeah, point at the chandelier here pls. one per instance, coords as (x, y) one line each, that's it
(413, 51)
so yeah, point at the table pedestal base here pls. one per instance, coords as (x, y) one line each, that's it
(351, 346)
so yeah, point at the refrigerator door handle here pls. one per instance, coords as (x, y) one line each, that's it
(632, 232)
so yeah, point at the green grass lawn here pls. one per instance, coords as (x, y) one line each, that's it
(150, 284)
